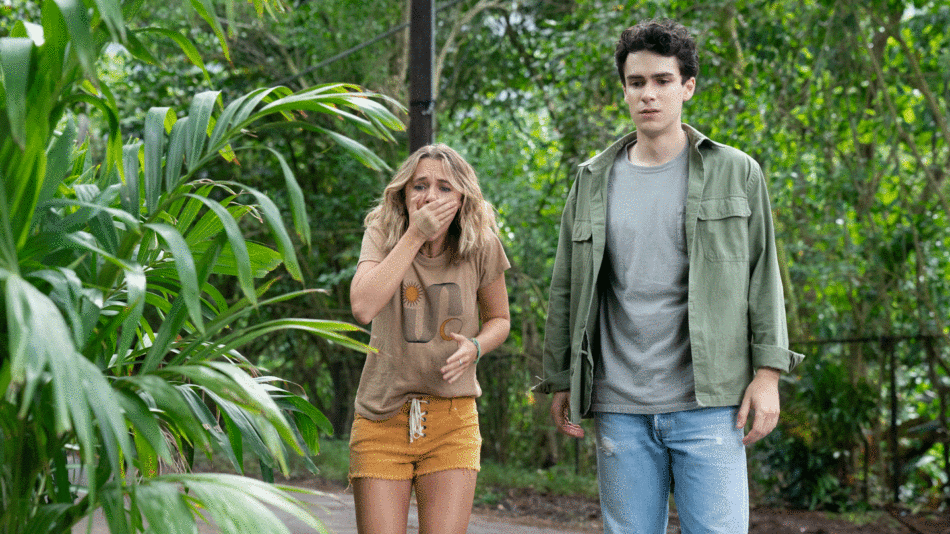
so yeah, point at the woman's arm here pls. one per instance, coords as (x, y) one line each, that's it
(376, 282)
(496, 323)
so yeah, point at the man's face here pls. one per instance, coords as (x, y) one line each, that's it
(655, 92)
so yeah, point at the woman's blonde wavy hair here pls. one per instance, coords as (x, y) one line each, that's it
(473, 224)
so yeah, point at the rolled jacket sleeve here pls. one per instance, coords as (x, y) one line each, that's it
(767, 321)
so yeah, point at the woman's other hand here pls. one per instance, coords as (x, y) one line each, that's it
(458, 363)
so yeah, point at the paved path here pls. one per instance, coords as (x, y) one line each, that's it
(336, 511)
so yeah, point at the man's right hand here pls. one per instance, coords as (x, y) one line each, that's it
(561, 414)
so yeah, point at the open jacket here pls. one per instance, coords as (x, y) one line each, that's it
(736, 309)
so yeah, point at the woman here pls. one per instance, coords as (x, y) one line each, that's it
(431, 278)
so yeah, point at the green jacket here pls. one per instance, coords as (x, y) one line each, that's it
(736, 309)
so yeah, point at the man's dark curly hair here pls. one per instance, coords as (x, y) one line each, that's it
(664, 37)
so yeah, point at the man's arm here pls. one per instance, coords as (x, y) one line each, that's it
(767, 322)
(556, 353)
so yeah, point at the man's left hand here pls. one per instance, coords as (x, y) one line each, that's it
(761, 397)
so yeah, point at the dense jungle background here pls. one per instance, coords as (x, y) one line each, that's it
(844, 104)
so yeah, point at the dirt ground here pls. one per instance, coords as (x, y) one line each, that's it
(584, 514)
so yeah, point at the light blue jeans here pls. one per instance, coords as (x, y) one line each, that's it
(699, 453)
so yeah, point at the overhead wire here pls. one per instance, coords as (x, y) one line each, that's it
(357, 48)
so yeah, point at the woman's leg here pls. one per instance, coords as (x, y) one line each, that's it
(444, 499)
(382, 506)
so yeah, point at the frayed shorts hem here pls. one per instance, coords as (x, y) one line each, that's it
(450, 440)
(377, 476)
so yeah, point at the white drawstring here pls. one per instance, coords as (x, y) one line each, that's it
(416, 419)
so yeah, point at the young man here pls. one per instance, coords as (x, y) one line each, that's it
(666, 321)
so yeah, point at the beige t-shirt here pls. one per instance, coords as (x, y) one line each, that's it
(412, 331)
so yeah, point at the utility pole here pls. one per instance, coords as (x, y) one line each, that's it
(421, 53)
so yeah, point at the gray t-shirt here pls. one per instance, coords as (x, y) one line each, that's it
(646, 363)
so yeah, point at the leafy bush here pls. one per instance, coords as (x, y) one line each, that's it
(821, 434)
(119, 361)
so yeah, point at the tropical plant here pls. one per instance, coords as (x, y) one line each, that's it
(119, 360)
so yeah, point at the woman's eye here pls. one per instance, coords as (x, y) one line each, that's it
(445, 189)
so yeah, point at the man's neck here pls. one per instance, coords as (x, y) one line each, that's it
(655, 151)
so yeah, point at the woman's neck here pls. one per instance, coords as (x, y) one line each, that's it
(431, 249)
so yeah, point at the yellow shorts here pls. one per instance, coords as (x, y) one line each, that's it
(446, 437)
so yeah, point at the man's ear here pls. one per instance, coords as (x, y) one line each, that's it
(690, 86)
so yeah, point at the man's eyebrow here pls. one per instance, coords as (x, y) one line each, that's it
(654, 76)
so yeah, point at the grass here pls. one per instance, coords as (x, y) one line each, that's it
(861, 518)
(333, 462)
(557, 480)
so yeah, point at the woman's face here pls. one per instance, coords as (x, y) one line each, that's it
(431, 184)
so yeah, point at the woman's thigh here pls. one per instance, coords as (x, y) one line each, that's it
(445, 500)
(382, 506)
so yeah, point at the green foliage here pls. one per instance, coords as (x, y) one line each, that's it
(494, 479)
(810, 458)
(334, 461)
(843, 105)
(120, 358)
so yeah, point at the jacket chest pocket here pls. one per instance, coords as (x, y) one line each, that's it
(723, 228)
(582, 231)
(582, 242)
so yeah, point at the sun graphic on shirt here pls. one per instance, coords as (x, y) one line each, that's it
(411, 294)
